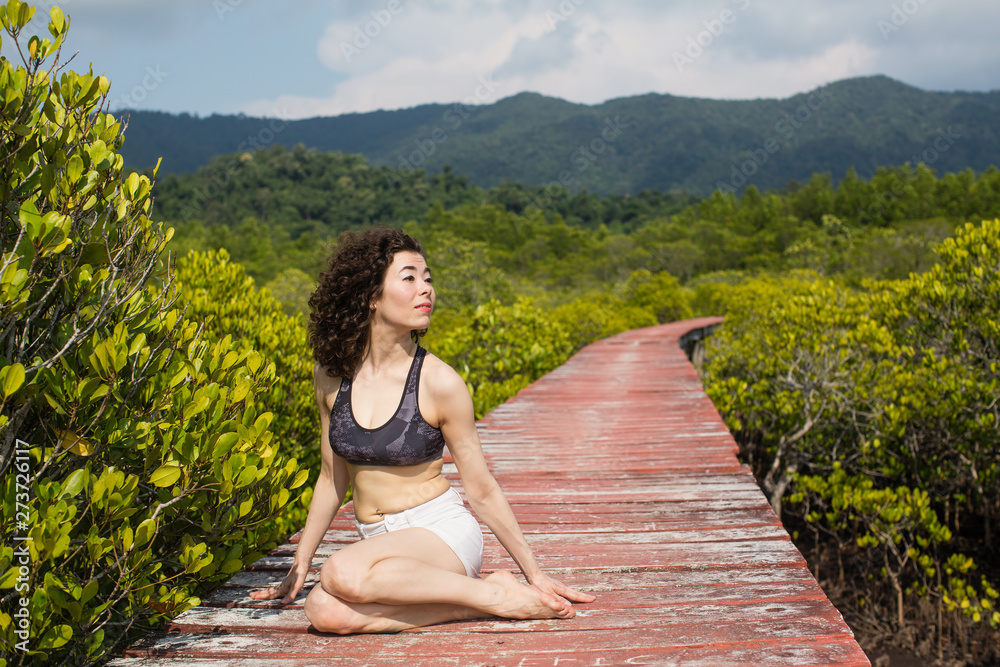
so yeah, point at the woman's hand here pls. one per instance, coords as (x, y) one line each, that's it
(546, 583)
(287, 590)
(328, 496)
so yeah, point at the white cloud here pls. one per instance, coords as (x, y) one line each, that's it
(417, 57)
(589, 50)
(266, 55)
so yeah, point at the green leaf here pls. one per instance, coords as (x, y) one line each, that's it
(300, 478)
(132, 184)
(261, 424)
(13, 379)
(253, 361)
(224, 443)
(74, 483)
(246, 476)
(229, 359)
(57, 20)
(74, 168)
(240, 392)
(178, 378)
(231, 566)
(95, 254)
(195, 407)
(30, 219)
(9, 578)
(56, 636)
(165, 475)
(145, 532)
(137, 344)
(26, 14)
(89, 591)
(246, 506)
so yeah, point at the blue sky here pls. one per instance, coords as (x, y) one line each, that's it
(321, 58)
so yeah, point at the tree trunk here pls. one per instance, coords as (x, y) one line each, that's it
(900, 618)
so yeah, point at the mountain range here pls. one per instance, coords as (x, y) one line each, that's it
(623, 146)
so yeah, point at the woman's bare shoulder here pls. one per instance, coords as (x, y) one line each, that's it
(325, 384)
(450, 399)
(442, 378)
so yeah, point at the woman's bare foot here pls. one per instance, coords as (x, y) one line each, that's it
(519, 601)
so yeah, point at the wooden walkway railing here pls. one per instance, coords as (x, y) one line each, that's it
(626, 482)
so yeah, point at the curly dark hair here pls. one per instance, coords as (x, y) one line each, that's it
(341, 305)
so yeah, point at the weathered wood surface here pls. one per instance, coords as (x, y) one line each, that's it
(626, 483)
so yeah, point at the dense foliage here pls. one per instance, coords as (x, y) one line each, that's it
(140, 464)
(624, 146)
(884, 227)
(871, 418)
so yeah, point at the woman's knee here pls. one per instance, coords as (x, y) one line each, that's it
(342, 579)
(328, 614)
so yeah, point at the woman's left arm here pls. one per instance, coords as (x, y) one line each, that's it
(458, 424)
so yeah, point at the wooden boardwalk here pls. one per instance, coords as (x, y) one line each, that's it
(626, 483)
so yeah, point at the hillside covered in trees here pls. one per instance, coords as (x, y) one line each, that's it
(623, 146)
(278, 210)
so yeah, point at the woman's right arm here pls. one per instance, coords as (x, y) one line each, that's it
(328, 495)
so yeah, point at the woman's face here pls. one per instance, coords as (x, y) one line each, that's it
(407, 293)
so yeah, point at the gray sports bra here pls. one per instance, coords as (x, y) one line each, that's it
(406, 439)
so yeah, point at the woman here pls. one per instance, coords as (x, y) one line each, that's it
(421, 549)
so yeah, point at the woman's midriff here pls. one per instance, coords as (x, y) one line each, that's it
(380, 490)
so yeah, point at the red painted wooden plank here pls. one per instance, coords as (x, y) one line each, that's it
(804, 616)
(678, 586)
(765, 653)
(603, 534)
(562, 557)
(777, 645)
(805, 654)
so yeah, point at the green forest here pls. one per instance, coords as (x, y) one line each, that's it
(156, 412)
(624, 145)
(281, 208)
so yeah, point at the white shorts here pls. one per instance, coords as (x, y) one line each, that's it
(447, 517)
